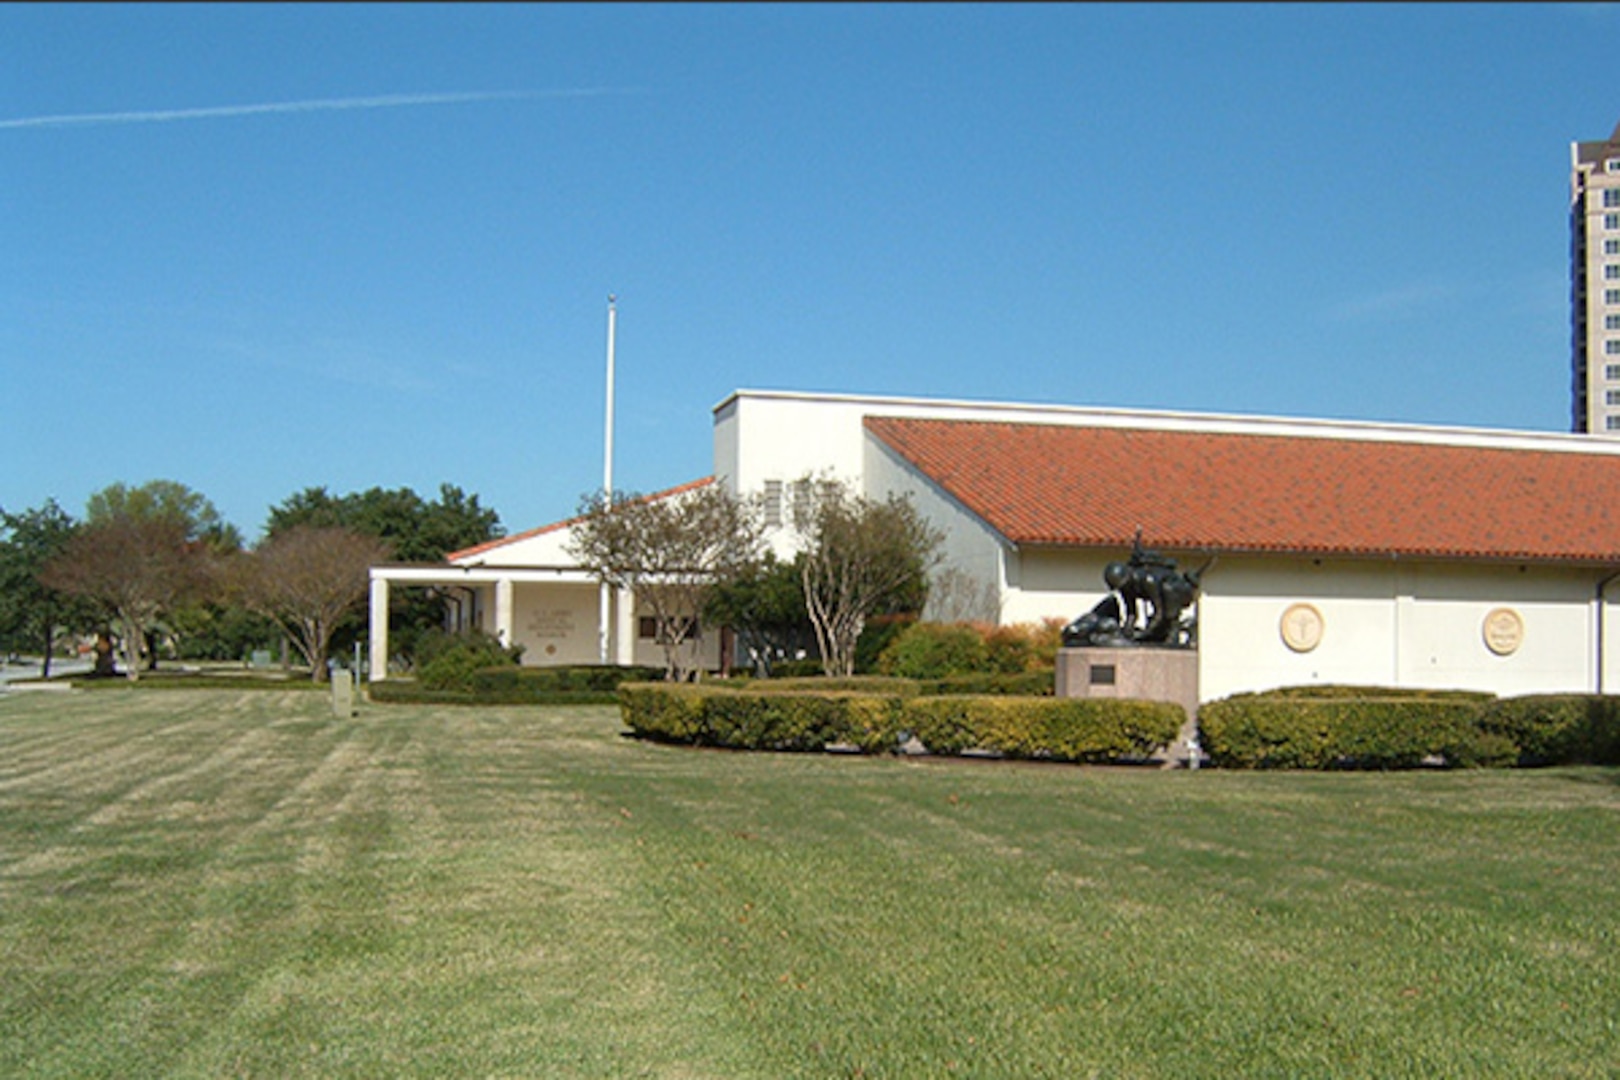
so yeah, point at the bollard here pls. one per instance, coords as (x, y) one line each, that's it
(342, 693)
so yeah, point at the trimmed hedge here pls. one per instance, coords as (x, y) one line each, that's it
(760, 720)
(1285, 731)
(585, 684)
(600, 678)
(821, 684)
(1064, 729)
(1342, 690)
(1022, 684)
(762, 717)
(1557, 729)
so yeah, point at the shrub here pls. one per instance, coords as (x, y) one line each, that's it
(764, 715)
(668, 712)
(1340, 690)
(1024, 646)
(929, 650)
(797, 669)
(876, 635)
(537, 682)
(1065, 729)
(869, 684)
(1557, 729)
(759, 720)
(1027, 684)
(1325, 731)
(451, 660)
(508, 684)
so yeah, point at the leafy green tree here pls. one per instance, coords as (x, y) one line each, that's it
(165, 500)
(860, 557)
(420, 531)
(764, 607)
(220, 629)
(31, 611)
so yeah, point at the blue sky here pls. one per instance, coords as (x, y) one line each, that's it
(260, 248)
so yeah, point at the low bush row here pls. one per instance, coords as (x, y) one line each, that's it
(508, 684)
(1027, 684)
(1557, 729)
(767, 717)
(1376, 728)
(1266, 731)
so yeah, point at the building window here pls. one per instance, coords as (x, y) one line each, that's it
(803, 496)
(1611, 423)
(1612, 347)
(1611, 246)
(1611, 322)
(1612, 165)
(773, 502)
(1611, 196)
(1611, 296)
(647, 629)
(1611, 371)
(1611, 221)
(1611, 271)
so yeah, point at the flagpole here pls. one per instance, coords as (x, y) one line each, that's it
(604, 607)
(607, 455)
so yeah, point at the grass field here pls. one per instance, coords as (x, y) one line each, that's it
(233, 883)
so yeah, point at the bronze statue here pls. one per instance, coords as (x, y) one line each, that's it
(1147, 601)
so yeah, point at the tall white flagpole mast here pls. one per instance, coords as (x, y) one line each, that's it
(607, 455)
(604, 607)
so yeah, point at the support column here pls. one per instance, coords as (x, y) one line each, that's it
(503, 610)
(379, 628)
(624, 643)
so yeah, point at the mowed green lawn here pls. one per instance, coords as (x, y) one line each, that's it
(210, 884)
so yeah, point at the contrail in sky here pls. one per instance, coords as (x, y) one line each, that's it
(384, 101)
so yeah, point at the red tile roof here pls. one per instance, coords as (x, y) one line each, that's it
(490, 545)
(1041, 484)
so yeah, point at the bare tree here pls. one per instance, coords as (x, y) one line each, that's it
(307, 579)
(858, 555)
(958, 596)
(135, 570)
(670, 550)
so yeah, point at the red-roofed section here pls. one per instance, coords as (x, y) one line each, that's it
(1041, 484)
(491, 545)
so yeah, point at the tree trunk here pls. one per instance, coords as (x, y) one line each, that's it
(106, 667)
(50, 633)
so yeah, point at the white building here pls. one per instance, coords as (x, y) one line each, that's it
(1376, 554)
(526, 590)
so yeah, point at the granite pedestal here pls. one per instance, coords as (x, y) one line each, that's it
(1142, 672)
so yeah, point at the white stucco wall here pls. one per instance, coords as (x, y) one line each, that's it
(1052, 583)
(556, 624)
(971, 553)
(544, 548)
(1385, 623)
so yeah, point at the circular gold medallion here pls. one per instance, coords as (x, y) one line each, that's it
(1301, 627)
(1503, 631)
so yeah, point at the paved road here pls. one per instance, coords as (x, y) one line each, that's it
(29, 669)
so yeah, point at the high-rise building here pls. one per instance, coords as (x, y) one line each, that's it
(1594, 263)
